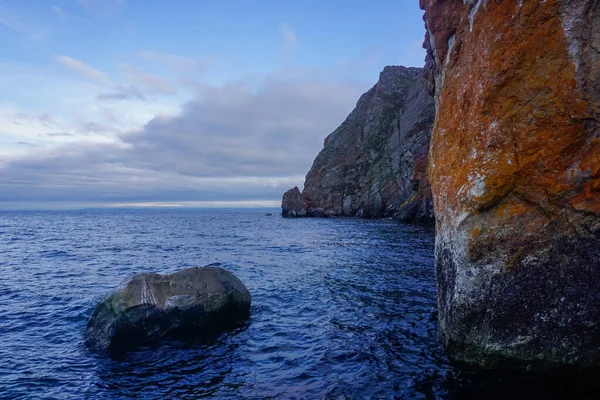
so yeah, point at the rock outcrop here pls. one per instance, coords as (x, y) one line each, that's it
(292, 204)
(375, 163)
(149, 306)
(515, 175)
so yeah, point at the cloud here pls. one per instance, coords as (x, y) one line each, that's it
(290, 40)
(178, 63)
(140, 82)
(155, 83)
(289, 43)
(85, 71)
(235, 130)
(90, 3)
(60, 12)
(65, 16)
(20, 118)
(14, 21)
(123, 93)
(95, 128)
(237, 141)
(59, 134)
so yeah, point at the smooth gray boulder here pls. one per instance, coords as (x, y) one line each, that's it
(150, 306)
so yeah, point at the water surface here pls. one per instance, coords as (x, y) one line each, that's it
(342, 308)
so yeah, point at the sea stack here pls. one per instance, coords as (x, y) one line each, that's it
(514, 167)
(375, 163)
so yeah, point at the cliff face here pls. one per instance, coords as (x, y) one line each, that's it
(375, 163)
(515, 175)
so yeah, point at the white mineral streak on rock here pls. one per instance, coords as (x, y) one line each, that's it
(572, 13)
(474, 5)
(148, 296)
(451, 42)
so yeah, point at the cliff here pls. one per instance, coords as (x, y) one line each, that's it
(375, 163)
(515, 175)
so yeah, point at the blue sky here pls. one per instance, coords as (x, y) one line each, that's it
(111, 102)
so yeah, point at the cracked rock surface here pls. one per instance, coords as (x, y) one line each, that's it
(515, 176)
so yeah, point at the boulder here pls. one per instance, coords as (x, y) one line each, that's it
(149, 306)
(318, 213)
(514, 167)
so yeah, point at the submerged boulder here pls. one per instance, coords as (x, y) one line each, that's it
(514, 167)
(148, 306)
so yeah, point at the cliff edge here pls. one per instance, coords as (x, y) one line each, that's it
(375, 163)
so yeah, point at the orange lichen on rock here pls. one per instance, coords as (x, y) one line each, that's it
(515, 172)
(523, 124)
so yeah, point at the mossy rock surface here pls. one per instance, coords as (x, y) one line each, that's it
(151, 306)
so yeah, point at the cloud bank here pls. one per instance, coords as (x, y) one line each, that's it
(243, 140)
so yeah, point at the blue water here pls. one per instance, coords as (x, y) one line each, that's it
(342, 308)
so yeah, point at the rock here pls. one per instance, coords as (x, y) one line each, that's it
(318, 213)
(292, 204)
(375, 163)
(149, 306)
(515, 175)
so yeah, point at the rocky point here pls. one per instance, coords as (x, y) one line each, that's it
(375, 163)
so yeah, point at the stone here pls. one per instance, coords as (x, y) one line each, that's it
(514, 167)
(318, 213)
(375, 163)
(150, 306)
(292, 204)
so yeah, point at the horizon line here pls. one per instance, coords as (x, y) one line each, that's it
(72, 206)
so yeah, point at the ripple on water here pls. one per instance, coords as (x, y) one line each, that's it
(342, 308)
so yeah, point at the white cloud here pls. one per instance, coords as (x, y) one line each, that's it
(90, 3)
(239, 141)
(153, 82)
(290, 40)
(123, 93)
(178, 63)
(16, 22)
(65, 16)
(85, 71)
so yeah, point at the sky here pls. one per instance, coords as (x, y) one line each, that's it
(183, 102)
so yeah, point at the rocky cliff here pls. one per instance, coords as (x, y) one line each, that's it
(375, 163)
(515, 174)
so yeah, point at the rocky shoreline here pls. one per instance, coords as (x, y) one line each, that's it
(510, 165)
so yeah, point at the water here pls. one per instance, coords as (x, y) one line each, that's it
(342, 308)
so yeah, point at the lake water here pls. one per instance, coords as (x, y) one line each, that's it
(341, 309)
